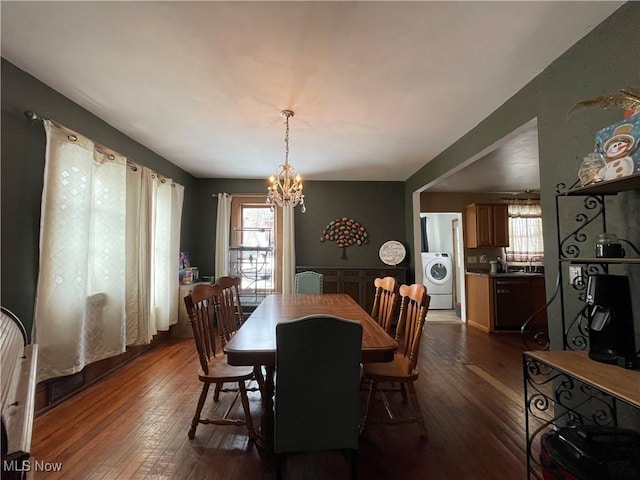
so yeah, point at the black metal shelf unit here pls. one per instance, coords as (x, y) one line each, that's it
(571, 248)
(557, 394)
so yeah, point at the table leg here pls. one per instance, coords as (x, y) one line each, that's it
(265, 437)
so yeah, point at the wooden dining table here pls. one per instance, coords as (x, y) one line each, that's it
(255, 341)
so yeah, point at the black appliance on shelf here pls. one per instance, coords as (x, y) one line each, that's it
(611, 332)
(590, 453)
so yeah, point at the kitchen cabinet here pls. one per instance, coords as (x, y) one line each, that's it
(355, 282)
(505, 301)
(516, 300)
(486, 225)
(480, 305)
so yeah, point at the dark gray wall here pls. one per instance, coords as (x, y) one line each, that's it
(23, 150)
(378, 206)
(602, 62)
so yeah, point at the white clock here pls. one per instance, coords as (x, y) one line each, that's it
(392, 252)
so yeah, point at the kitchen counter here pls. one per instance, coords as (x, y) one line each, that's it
(508, 274)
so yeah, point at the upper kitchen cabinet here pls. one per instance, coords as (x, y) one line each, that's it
(487, 225)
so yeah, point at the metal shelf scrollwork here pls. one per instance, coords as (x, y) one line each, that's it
(554, 399)
(571, 243)
(571, 246)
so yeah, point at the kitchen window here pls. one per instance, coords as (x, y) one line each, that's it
(525, 233)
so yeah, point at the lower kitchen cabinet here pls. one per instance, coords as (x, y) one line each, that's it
(504, 302)
(480, 305)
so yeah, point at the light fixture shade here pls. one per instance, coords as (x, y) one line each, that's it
(286, 189)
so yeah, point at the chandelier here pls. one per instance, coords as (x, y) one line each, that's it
(285, 189)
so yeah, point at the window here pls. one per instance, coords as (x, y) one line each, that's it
(525, 234)
(255, 246)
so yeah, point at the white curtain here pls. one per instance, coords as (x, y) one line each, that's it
(139, 238)
(165, 250)
(288, 249)
(109, 248)
(223, 226)
(80, 306)
(525, 233)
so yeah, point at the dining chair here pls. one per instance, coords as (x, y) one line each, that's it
(308, 282)
(231, 302)
(403, 369)
(317, 387)
(202, 305)
(385, 302)
(229, 319)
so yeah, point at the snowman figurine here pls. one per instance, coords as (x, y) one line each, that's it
(617, 153)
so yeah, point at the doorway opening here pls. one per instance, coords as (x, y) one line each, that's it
(442, 269)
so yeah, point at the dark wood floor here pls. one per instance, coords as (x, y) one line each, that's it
(133, 424)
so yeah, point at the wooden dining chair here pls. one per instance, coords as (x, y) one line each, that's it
(230, 318)
(231, 293)
(202, 305)
(385, 302)
(317, 386)
(403, 369)
(308, 282)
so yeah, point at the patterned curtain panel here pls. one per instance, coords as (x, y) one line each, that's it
(109, 247)
(525, 233)
(80, 301)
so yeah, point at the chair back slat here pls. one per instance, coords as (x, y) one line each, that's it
(413, 312)
(227, 314)
(385, 302)
(201, 308)
(231, 306)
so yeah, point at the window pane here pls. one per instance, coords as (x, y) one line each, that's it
(257, 237)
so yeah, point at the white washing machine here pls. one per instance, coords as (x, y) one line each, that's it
(438, 278)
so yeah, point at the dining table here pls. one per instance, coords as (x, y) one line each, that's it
(255, 342)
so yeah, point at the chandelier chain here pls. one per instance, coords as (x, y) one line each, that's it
(286, 141)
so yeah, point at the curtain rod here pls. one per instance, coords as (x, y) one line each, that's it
(32, 116)
(257, 195)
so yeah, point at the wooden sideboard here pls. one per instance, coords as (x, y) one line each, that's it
(356, 281)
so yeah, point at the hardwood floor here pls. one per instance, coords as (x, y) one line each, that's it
(133, 424)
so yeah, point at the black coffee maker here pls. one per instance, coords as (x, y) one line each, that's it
(611, 333)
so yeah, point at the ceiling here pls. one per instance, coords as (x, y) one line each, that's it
(378, 88)
(509, 166)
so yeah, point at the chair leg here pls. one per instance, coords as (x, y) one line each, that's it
(257, 372)
(196, 417)
(216, 392)
(367, 409)
(403, 392)
(416, 407)
(247, 411)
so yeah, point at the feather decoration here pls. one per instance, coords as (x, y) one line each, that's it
(627, 98)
